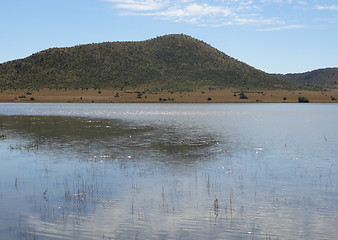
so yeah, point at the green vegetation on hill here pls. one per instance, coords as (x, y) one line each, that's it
(172, 62)
(321, 78)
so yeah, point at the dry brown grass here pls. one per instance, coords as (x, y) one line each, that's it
(215, 96)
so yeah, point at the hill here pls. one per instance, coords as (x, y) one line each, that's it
(177, 62)
(322, 78)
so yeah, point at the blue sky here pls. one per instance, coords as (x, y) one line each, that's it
(276, 36)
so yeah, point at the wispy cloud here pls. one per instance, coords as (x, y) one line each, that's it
(303, 3)
(137, 5)
(267, 15)
(207, 13)
(193, 12)
(277, 1)
(330, 8)
(280, 28)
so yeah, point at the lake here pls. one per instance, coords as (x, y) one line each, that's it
(168, 171)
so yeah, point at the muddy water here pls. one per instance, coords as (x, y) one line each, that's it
(168, 171)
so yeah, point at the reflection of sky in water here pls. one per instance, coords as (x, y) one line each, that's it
(155, 170)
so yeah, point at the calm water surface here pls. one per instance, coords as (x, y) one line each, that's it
(168, 171)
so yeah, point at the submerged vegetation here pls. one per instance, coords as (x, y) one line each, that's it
(170, 62)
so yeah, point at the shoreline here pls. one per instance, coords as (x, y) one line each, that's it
(228, 95)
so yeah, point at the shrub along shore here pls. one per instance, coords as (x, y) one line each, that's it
(139, 96)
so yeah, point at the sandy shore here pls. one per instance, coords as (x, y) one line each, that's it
(201, 96)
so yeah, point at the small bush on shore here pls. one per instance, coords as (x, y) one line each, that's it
(243, 96)
(303, 100)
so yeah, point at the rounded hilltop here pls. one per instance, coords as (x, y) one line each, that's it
(169, 62)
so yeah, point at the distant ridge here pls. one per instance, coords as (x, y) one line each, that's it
(172, 62)
(323, 78)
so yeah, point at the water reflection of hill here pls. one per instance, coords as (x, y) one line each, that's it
(111, 138)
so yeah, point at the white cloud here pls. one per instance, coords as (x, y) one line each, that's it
(280, 28)
(276, 1)
(137, 5)
(303, 3)
(192, 12)
(330, 8)
(215, 13)
(205, 13)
